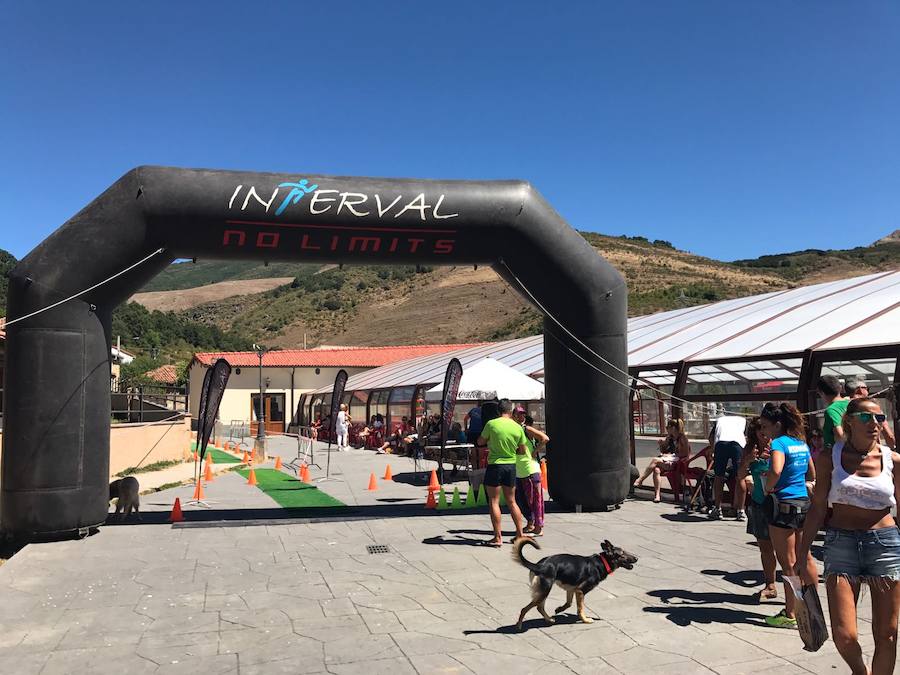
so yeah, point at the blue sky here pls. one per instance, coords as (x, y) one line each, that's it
(732, 129)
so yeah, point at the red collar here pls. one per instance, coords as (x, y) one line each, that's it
(609, 570)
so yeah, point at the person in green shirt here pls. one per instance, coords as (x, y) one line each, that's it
(529, 490)
(829, 389)
(505, 439)
(755, 463)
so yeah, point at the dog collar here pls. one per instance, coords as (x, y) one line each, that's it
(609, 570)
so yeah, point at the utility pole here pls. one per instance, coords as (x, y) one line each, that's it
(260, 444)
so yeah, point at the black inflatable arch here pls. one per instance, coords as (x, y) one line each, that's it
(57, 399)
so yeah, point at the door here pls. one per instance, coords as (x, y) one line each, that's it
(273, 409)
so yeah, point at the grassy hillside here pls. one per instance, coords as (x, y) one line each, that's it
(369, 305)
(815, 265)
(377, 306)
(192, 274)
(390, 305)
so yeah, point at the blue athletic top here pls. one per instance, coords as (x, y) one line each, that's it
(792, 482)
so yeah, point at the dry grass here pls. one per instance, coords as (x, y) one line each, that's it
(177, 301)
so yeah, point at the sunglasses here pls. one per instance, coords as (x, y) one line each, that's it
(866, 417)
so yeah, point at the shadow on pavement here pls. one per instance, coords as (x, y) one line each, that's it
(694, 598)
(441, 540)
(684, 517)
(217, 517)
(559, 620)
(744, 578)
(685, 615)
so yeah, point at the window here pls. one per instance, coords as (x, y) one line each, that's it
(303, 411)
(358, 401)
(378, 402)
(877, 373)
(273, 411)
(399, 406)
(750, 377)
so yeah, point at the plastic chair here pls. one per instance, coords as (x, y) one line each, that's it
(681, 475)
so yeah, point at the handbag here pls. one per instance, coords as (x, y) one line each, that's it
(810, 617)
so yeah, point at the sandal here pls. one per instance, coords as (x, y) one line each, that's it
(769, 594)
(492, 543)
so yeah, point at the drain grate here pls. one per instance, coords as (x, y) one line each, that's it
(375, 549)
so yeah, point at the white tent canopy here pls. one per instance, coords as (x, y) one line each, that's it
(489, 378)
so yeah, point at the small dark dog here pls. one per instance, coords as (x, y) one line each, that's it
(127, 492)
(576, 574)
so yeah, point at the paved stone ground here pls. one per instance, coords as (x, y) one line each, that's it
(305, 596)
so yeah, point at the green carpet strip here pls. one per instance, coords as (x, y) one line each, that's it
(289, 492)
(219, 456)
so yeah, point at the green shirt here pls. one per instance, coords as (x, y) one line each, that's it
(833, 416)
(526, 465)
(504, 436)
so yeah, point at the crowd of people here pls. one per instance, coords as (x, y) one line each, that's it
(789, 482)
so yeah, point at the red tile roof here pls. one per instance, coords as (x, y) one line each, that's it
(163, 374)
(350, 357)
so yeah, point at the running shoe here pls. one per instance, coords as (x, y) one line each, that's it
(781, 620)
(715, 513)
(740, 515)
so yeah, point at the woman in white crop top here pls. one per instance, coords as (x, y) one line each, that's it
(862, 543)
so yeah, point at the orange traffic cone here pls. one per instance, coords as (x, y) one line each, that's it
(176, 516)
(373, 484)
(196, 456)
(278, 463)
(253, 456)
(430, 503)
(208, 474)
(246, 458)
(387, 473)
(304, 473)
(544, 475)
(251, 479)
(433, 484)
(198, 491)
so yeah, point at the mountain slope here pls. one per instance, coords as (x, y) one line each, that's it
(390, 305)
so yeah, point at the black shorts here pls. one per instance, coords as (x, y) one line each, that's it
(756, 521)
(788, 514)
(727, 452)
(498, 475)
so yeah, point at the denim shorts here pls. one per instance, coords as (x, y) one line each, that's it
(863, 553)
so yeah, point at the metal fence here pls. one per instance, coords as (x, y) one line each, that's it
(148, 402)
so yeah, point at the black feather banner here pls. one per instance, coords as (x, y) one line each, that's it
(214, 383)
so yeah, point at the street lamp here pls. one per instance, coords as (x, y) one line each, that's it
(260, 444)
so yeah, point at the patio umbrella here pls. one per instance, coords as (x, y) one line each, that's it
(489, 378)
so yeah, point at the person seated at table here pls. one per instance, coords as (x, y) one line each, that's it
(673, 447)
(397, 440)
(456, 435)
(367, 429)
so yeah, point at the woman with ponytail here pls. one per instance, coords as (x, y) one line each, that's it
(787, 500)
(858, 481)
